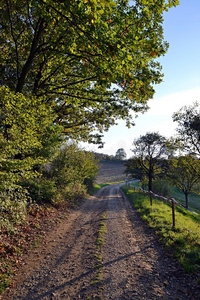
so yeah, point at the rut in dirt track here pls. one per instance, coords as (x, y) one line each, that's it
(134, 266)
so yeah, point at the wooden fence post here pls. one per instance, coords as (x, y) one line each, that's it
(173, 212)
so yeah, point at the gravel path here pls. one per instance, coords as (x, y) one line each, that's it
(134, 265)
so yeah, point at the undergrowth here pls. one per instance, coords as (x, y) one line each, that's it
(183, 240)
(24, 236)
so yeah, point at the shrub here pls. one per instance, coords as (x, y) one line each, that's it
(40, 189)
(13, 207)
(162, 188)
(74, 191)
(74, 165)
(89, 183)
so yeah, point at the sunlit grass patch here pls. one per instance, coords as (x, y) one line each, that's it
(183, 240)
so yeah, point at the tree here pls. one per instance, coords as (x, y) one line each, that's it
(73, 165)
(70, 174)
(133, 168)
(188, 119)
(27, 136)
(92, 62)
(149, 152)
(120, 154)
(184, 174)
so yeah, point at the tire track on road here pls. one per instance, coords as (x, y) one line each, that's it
(134, 265)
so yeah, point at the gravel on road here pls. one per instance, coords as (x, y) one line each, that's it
(134, 265)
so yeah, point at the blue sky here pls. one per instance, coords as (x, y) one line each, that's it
(180, 86)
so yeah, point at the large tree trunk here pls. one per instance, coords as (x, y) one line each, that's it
(28, 63)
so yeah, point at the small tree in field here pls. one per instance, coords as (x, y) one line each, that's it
(188, 119)
(120, 154)
(184, 174)
(149, 150)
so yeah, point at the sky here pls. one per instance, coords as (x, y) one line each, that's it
(180, 86)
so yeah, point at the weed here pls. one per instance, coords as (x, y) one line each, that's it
(37, 226)
(98, 257)
(5, 274)
(103, 217)
(100, 241)
(37, 242)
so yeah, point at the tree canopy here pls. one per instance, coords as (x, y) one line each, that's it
(188, 119)
(133, 168)
(120, 154)
(149, 150)
(184, 173)
(27, 135)
(91, 62)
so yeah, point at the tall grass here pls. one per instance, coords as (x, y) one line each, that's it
(183, 240)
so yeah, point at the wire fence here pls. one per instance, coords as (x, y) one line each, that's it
(152, 195)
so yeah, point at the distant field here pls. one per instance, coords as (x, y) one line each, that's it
(111, 171)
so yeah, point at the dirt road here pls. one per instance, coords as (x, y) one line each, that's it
(134, 265)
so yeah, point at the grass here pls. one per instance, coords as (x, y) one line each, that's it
(100, 241)
(97, 187)
(183, 241)
(193, 199)
(102, 230)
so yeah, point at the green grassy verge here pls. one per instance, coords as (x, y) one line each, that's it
(193, 199)
(183, 240)
(97, 187)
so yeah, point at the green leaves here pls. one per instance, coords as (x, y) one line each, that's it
(185, 173)
(84, 58)
(25, 124)
(150, 152)
(188, 127)
(73, 165)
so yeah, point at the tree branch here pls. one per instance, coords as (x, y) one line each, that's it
(27, 65)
